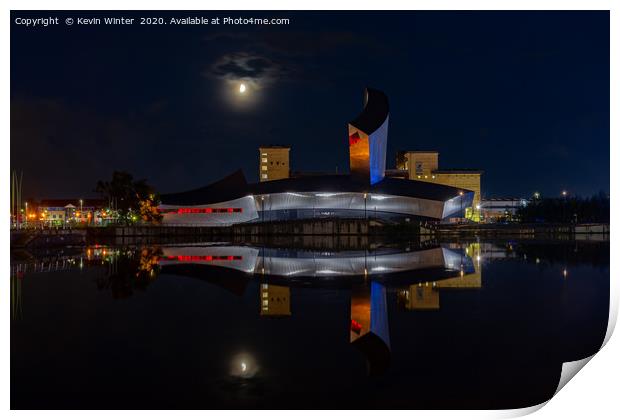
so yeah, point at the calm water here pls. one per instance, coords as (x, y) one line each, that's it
(442, 325)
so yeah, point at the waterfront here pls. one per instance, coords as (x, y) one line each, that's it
(453, 324)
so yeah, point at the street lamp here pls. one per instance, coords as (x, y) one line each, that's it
(365, 195)
(461, 202)
(536, 195)
(564, 193)
(262, 200)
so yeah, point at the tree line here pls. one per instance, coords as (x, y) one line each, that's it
(573, 209)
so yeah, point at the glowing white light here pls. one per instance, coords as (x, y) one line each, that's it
(244, 367)
(378, 197)
(242, 88)
(325, 194)
(327, 272)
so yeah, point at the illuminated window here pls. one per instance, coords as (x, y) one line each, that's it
(264, 160)
(264, 168)
(265, 302)
(264, 154)
(264, 176)
(265, 294)
(265, 286)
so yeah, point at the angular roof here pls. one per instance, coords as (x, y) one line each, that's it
(376, 111)
(235, 186)
(228, 188)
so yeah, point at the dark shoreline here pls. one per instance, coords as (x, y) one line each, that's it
(328, 233)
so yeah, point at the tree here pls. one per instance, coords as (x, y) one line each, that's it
(594, 209)
(131, 199)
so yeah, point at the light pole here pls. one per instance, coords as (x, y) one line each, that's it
(461, 202)
(365, 195)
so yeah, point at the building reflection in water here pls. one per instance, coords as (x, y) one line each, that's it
(306, 321)
(424, 295)
(369, 330)
(17, 275)
(369, 324)
(275, 301)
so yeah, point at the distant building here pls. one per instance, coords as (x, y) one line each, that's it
(274, 163)
(424, 166)
(501, 209)
(61, 211)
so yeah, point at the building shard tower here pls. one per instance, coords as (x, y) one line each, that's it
(368, 138)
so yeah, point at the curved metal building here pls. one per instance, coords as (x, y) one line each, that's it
(365, 193)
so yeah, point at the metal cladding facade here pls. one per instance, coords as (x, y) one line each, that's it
(365, 193)
(368, 138)
(336, 196)
(288, 263)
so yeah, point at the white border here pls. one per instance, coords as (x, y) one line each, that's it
(593, 395)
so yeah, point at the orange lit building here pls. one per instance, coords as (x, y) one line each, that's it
(424, 166)
(274, 163)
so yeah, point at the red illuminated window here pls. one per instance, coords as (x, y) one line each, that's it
(203, 210)
(189, 258)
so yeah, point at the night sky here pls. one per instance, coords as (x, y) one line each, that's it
(523, 96)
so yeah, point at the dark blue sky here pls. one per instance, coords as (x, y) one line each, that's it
(522, 95)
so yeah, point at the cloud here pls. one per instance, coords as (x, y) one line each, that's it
(247, 66)
(266, 57)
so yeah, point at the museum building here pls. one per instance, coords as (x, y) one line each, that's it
(364, 193)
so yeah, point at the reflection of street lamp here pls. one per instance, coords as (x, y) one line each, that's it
(365, 195)
(461, 201)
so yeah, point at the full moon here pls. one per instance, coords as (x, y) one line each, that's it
(241, 88)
